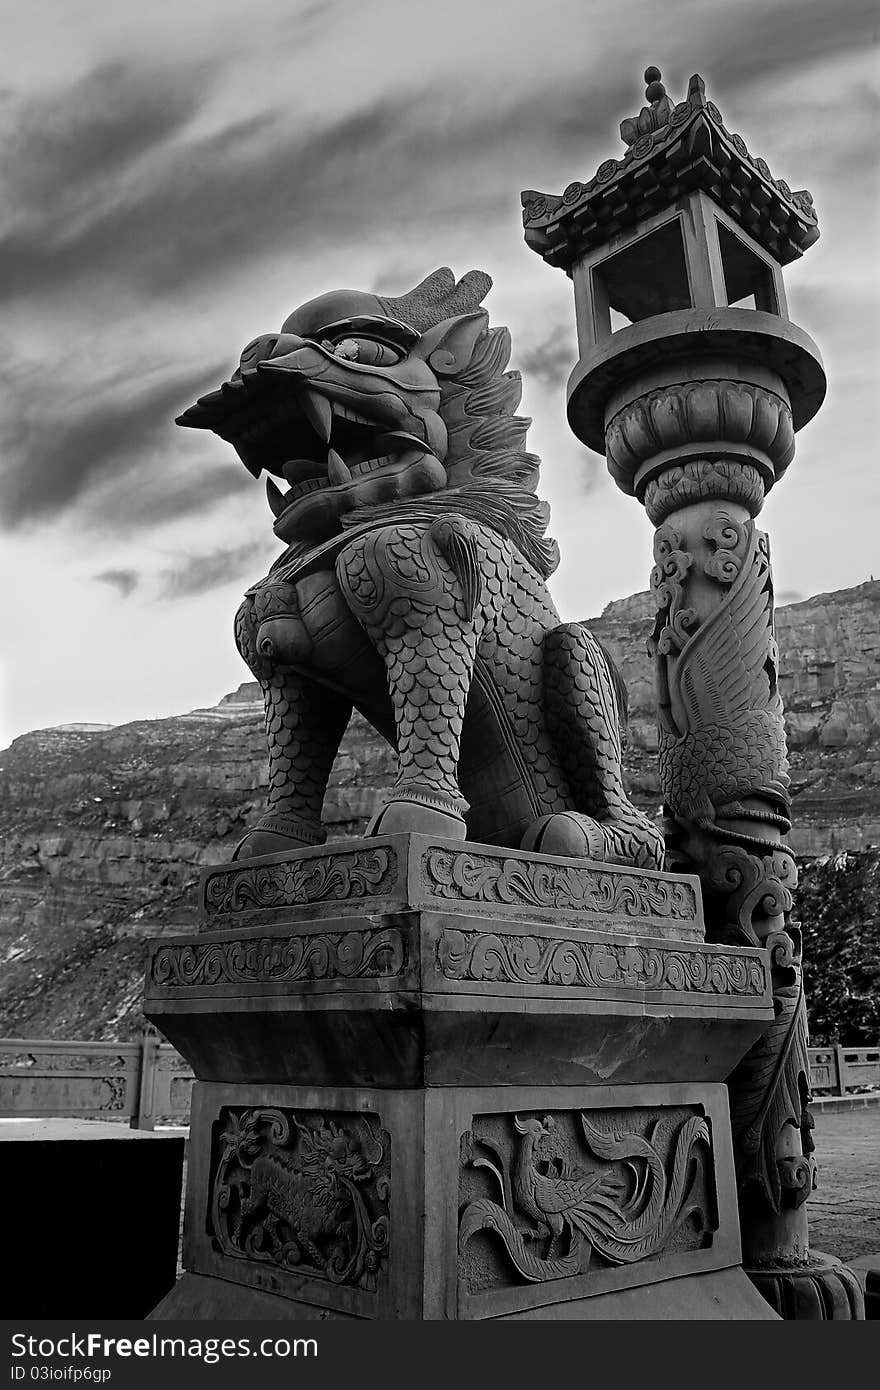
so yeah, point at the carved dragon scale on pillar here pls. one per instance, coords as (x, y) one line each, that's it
(722, 748)
(724, 773)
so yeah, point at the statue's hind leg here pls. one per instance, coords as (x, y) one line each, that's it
(584, 718)
(305, 723)
(414, 591)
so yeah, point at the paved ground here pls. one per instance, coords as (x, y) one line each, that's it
(845, 1208)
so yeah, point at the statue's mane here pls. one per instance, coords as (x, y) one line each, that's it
(492, 477)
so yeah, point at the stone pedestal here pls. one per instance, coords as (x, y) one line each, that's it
(443, 1080)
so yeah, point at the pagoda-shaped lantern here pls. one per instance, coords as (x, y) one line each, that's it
(693, 381)
(676, 252)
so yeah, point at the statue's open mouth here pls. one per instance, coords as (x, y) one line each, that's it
(280, 423)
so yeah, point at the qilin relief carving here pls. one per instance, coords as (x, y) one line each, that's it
(372, 954)
(304, 1191)
(575, 1190)
(536, 960)
(479, 878)
(294, 883)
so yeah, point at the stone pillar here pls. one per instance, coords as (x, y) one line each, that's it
(694, 390)
(723, 762)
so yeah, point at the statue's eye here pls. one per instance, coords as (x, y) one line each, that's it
(365, 350)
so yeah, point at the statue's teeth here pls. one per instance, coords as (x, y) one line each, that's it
(275, 497)
(337, 469)
(319, 413)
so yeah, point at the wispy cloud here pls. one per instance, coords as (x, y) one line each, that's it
(63, 437)
(70, 141)
(550, 361)
(145, 198)
(124, 581)
(748, 43)
(196, 574)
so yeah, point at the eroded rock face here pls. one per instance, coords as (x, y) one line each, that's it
(103, 831)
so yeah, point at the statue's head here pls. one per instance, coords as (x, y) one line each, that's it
(363, 400)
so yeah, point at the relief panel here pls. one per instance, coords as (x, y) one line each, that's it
(573, 1193)
(302, 1190)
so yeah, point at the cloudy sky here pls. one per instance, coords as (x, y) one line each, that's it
(177, 177)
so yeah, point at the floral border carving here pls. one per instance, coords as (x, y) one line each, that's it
(298, 882)
(541, 960)
(376, 954)
(477, 878)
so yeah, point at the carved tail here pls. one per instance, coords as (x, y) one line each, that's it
(485, 1214)
(666, 1204)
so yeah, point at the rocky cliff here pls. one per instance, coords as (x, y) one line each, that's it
(103, 830)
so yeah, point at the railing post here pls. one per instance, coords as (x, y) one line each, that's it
(144, 1116)
(841, 1070)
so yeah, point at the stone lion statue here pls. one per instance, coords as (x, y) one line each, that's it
(412, 586)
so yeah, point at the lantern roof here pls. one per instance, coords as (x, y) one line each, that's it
(672, 150)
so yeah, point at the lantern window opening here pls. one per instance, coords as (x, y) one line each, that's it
(748, 279)
(649, 276)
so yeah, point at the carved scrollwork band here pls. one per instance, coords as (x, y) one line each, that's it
(304, 1191)
(296, 882)
(470, 877)
(373, 954)
(419, 873)
(15, 1060)
(541, 960)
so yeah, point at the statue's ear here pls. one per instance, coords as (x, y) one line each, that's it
(449, 346)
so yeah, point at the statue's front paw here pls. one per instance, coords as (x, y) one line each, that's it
(278, 834)
(421, 809)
